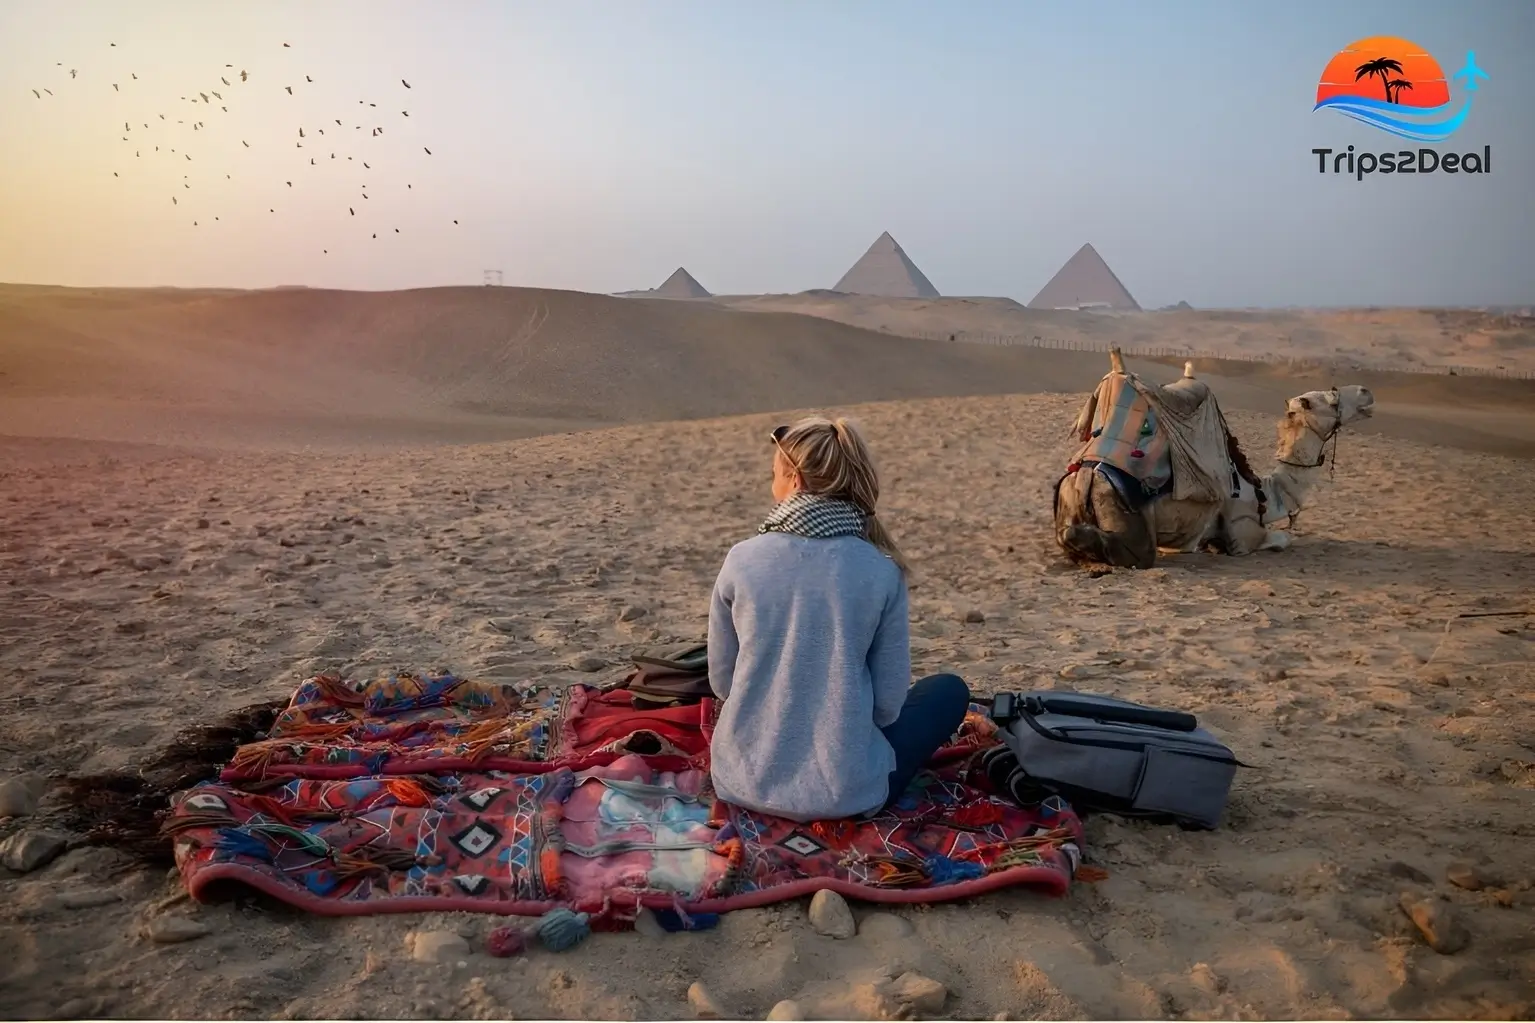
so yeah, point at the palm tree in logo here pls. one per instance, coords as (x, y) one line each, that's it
(1380, 67)
(1394, 89)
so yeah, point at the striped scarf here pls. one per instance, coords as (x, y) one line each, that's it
(815, 516)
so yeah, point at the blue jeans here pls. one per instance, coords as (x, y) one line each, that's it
(935, 708)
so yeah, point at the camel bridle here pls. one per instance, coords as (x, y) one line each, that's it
(1331, 434)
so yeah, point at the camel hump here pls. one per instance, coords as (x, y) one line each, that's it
(1116, 360)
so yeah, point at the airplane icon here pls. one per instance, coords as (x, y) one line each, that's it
(1470, 72)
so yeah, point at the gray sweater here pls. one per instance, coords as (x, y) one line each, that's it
(809, 645)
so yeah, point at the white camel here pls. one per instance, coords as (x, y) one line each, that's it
(1095, 522)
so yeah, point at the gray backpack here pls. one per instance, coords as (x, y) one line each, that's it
(1110, 756)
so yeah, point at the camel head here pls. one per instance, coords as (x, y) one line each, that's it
(1316, 416)
(1349, 403)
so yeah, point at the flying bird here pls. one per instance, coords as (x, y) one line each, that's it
(244, 143)
(174, 202)
(73, 72)
(111, 44)
(135, 77)
(244, 75)
(351, 211)
(428, 151)
(365, 166)
(114, 174)
(162, 117)
(285, 45)
(219, 95)
(397, 230)
(405, 112)
(290, 184)
(455, 221)
(125, 126)
(311, 161)
(289, 88)
(37, 94)
(308, 79)
(301, 133)
(48, 90)
(204, 95)
(405, 83)
(224, 80)
(115, 88)
(338, 121)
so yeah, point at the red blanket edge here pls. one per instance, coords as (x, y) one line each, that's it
(1040, 879)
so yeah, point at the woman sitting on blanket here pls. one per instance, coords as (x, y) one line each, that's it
(809, 645)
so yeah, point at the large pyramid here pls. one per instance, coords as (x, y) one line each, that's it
(681, 284)
(1084, 282)
(886, 270)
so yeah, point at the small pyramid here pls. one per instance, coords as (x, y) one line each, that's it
(886, 270)
(1085, 282)
(681, 284)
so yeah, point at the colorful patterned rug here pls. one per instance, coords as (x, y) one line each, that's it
(414, 793)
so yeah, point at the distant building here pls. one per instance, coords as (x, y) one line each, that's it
(1085, 282)
(681, 284)
(887, 271)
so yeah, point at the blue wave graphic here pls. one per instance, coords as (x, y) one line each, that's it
(1437, 124)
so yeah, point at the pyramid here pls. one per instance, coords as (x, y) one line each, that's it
(1085, 281)
(681, 284)
(886, 270)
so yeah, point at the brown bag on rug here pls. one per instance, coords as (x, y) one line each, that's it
(670, 676)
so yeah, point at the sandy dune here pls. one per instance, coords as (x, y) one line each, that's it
(146, 587)
(1409, 338)
(309, 369)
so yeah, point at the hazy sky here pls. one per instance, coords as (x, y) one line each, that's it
(764, 146)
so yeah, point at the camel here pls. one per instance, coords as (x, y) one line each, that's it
(1192, 487)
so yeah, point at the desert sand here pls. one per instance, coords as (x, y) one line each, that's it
(1492, 341)
(208, 496)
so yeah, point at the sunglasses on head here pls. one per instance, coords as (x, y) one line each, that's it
(778, 435)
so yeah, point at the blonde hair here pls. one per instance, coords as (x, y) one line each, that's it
(832, 460)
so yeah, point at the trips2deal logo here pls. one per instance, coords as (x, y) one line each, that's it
(1399, 88)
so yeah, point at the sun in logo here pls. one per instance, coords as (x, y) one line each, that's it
(1397, 86)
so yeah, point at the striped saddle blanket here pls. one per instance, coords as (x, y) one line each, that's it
(1119, 428)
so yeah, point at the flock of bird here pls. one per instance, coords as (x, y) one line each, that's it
(328, 148)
